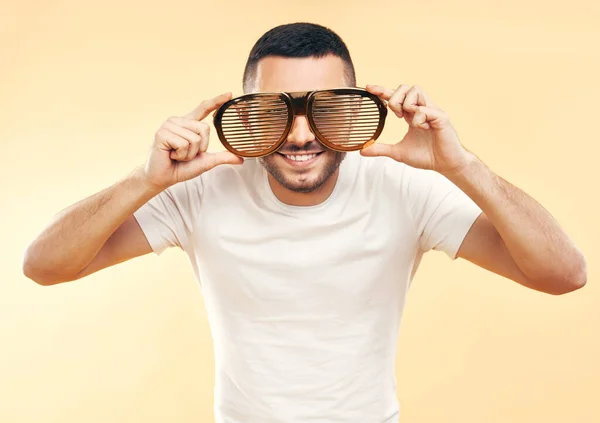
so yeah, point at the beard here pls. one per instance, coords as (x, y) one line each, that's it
(303, 181)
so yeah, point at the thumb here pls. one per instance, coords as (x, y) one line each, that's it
(204, 162)
(210, 160)
(387, 150)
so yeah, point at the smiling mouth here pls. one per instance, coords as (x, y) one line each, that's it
(301, 157)
(301, 161)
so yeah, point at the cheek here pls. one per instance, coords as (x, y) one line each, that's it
(329, 157)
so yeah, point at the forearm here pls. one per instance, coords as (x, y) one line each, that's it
(535, 240)
(74, 237)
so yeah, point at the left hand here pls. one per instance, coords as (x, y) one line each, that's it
(431, 142)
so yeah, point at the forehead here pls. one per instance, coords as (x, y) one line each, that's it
(277, 74)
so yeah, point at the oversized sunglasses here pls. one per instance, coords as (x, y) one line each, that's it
(342, 119)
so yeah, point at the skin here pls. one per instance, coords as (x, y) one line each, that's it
(301, 183)
(514, 237)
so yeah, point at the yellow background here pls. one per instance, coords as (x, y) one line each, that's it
(83, 88)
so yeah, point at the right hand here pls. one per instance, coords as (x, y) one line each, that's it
(179, 149)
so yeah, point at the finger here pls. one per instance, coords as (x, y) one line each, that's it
(198, 140)
(177, 146)
(202, 144)
(211, 160)
(414, 98)
(428, 117)
(192, 138)
(192, 151)
(200, 128)
(207, 106)
(180, 154)
(191, 124)
(167, 140)
(397, 100)
(388, 150)
(204, 138)
(185, 133)
(379, 91)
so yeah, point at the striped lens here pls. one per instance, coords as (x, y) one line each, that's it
(254, 125)
(347, 120)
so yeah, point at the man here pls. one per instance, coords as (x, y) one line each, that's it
(305, 256)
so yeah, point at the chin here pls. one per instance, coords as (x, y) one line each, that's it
(302, 185)
(303, 177)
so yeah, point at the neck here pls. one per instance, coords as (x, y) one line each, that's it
(302, 199)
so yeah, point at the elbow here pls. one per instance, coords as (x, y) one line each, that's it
(573, 280)
(568, 286)
(34, 271)
(39, 279)
(30, 271)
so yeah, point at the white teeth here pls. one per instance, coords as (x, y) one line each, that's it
(301, 158)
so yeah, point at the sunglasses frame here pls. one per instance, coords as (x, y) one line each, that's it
(299, 103)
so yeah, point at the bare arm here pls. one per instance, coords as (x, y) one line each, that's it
(101, 231)
(516, 237)
(92, 234)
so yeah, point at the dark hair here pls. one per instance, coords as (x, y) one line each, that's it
(299, 39)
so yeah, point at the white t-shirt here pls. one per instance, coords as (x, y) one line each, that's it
(305, 303)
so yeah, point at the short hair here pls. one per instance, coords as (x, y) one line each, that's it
(299, 39)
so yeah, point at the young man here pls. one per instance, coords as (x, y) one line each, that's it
(305, 256)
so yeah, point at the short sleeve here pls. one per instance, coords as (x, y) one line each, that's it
(443, 214)
(166, 219)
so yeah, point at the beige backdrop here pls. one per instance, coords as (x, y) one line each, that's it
(84, 87)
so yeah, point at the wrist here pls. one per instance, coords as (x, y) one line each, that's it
(140, 180)
(467, 170)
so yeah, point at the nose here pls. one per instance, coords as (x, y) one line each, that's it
(300, 134)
